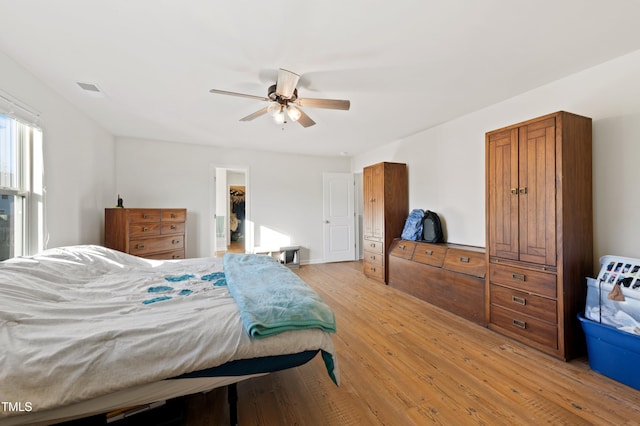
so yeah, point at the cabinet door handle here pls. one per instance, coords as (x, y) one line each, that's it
(428, 252)
(464, 259)
(519, 323)
(514, 191)
(522, 190)
(519, 300)
(519, 277)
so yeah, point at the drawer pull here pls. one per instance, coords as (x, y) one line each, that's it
(428, 252)
(372, 269)
(145, 229)
(372, 245)
(520, 324)
(175, 241)
(176, 256)
(464, 259)
(519, 277)
(372, 257)
(139, 246)
(519, 300)
(173, 216)
(145, 216)
(173, 227)
(402, 246)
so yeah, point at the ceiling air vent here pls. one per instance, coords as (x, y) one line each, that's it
(91, 89)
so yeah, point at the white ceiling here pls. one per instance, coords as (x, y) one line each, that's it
(404, 65)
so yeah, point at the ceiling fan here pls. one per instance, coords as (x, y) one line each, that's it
(283, 99)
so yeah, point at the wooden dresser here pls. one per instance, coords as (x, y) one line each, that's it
(386, 206)
(539, 231)
(148, 233)
(450, 276)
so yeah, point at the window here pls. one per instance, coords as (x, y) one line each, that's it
(21, 188)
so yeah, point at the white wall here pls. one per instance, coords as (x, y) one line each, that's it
(285, 190)
(446, 163)
(78, 160)
(446, 166)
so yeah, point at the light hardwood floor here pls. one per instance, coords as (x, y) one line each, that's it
(406, 362)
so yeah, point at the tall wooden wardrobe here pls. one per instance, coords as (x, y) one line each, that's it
(539, 230)
(386, 206)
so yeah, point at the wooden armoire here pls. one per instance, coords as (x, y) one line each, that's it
(539, 231)
(386, 207)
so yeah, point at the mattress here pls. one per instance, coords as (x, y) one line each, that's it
(86, 322)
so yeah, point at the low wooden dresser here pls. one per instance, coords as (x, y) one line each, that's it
(148, 233)
(450, 276)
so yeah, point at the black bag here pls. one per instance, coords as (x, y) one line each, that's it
(431, 228)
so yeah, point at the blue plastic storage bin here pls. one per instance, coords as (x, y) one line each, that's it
(612, 352)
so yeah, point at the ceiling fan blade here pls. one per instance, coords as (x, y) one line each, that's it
(324, 103)
(305, 120)
(286, 83)
(242, 95)
(256, 114)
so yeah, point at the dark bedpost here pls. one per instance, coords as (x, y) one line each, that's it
(232, 397)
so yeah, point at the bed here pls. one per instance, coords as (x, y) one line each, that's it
(86, 329)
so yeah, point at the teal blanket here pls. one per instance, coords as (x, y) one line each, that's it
(272, 298)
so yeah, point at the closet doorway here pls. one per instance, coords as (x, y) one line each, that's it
(231, 225)
(237, 219)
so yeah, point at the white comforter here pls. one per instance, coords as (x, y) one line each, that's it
(83, 321)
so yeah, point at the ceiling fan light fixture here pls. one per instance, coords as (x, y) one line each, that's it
(274, 108)
(293, 113)
(279, 117)
(282, 96)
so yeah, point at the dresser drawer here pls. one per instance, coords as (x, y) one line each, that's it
(431, 254)
(172, 228)
(524, 279)
(151, 245)
(144, 229)
(403, 249)
(144, 215)
(523, 325)
(174, 215)
(529, 304)
(373, 246)
(374, 270)
(465, 262)
(373, 257)
(167, 255)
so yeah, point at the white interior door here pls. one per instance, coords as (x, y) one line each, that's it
(221, 208)
(339, 217)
